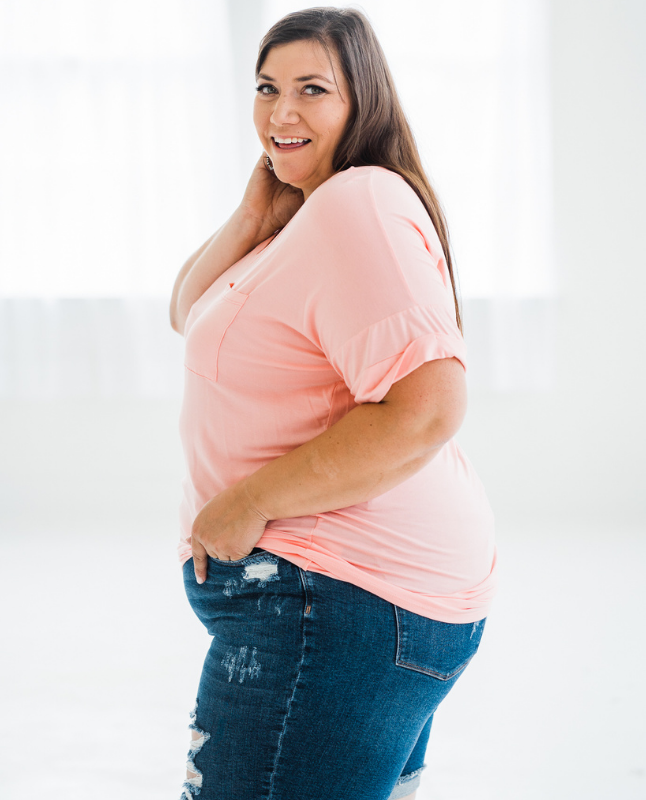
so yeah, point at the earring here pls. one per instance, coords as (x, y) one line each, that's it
(270, 166)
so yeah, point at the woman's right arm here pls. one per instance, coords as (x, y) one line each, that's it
(237, 237)
(267, 205)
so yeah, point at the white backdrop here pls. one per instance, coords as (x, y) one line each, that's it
(103, 653)
(131, 141)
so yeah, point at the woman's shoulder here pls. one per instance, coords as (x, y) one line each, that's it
(363, 188)
(358, 179)
(375, 201)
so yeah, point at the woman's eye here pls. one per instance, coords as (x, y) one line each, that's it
(311, 89)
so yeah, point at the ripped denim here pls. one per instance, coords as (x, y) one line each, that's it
(313, 688)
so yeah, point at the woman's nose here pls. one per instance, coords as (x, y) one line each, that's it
(284, 111)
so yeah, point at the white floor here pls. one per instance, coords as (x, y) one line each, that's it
(102, 655)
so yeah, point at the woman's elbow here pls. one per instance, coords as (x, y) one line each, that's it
(444, 426)
(448, 415)
(432, 400)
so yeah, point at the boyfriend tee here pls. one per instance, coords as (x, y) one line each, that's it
(350, 296)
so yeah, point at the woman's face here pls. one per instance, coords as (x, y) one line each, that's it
(298, 98)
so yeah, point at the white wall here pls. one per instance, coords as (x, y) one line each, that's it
(574, 452)
(89, 493)
(578, 451)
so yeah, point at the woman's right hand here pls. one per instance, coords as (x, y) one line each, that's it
(268, 205)
(268, 201)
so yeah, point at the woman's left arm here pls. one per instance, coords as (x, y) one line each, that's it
(372, 449)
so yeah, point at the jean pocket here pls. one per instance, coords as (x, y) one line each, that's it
(439, 649)
(226, 580)
(205, 335)
(255, 552)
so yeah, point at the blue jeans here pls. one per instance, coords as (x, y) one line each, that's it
(313, 688)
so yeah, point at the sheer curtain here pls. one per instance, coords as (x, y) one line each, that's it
(127, 140)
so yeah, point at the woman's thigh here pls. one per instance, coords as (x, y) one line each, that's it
(313, 687)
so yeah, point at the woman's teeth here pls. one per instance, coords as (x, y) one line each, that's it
(289, 141)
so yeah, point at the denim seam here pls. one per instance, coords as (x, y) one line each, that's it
(442, 676)
(411, 775)
(407, 783)
(262, 556)
(289, 704)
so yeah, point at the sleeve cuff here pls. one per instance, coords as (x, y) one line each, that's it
(369, 375)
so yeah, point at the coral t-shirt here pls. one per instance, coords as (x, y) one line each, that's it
(350, 296)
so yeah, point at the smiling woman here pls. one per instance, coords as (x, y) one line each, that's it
(301, 123)
(336, 542)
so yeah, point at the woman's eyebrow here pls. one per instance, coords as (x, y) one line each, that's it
(300, 80)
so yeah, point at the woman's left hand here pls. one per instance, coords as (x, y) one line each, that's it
(227, 528)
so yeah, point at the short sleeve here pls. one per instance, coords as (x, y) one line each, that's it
(392, 348)
(384, 302)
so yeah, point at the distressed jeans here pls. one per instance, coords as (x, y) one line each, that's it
(313, 688)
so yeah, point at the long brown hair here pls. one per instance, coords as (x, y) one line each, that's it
(378, 133)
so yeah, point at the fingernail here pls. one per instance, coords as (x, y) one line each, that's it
(198, 579)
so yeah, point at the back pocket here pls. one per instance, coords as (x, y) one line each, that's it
(439, 649)
(206, 333)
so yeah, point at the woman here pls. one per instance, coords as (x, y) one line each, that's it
(336, 542)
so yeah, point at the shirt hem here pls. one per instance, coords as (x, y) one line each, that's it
(468, 606)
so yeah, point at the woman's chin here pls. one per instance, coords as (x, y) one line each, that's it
(291, 177)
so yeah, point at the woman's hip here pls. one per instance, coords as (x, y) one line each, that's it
(312, 683)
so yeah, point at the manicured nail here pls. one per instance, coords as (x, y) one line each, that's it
(198, 579)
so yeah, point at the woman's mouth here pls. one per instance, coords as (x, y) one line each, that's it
(289, 143)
